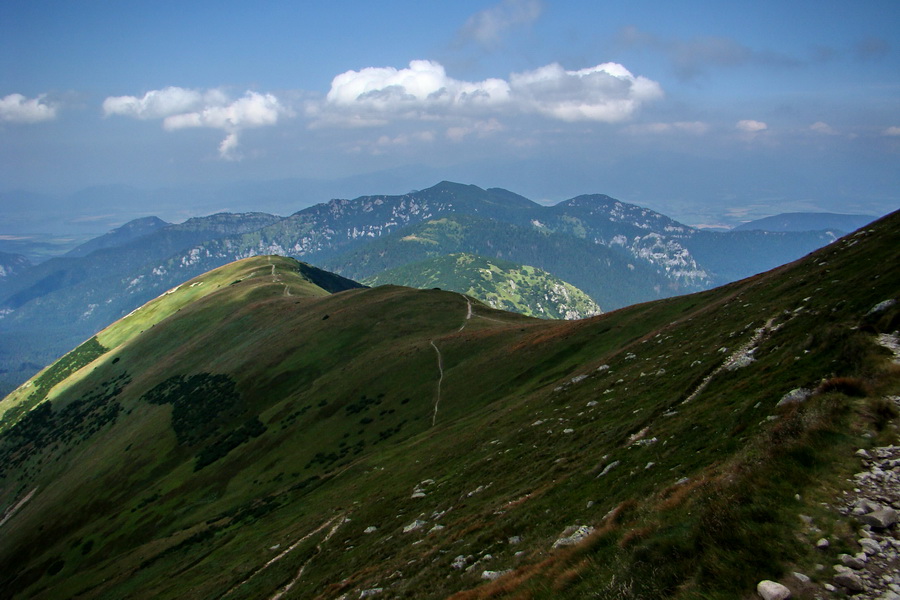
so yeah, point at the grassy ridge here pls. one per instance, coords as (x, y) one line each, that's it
(395, 434)
(499, 283)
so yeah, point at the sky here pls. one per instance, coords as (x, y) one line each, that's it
(710, 112)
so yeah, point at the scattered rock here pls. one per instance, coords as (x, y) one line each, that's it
(492, 575)
(459, 562)
(881, 306)
(849, 581)
(823, 544)
(795, 396)
(880, 519)
(609, 468)
(870, 546)
(864, 506)
(801, 577)
(417, 524)
(772, 590)
(572, 535)
(874, 501)
(851, 561)
(370, 592)
(370, 529)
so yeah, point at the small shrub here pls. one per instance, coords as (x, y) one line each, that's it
(849, 386)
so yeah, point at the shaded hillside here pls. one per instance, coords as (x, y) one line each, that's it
(498, 283)
(249, 435)
(610, 277)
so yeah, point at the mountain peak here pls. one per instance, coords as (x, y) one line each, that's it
(120, 236)
(453, 186)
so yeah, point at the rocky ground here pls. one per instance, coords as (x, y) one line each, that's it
(871, 507)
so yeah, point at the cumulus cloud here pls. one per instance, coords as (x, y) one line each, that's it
(751, 126)
(181, 108)
(158, 104)
(488, 26)
(823, 128)
(606, 93)
(252, 110)
(421, 87)
(16, 108)
(891, 131)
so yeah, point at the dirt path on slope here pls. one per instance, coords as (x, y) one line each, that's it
(437, 400)
(284, 590)
(290, 548)
(15, 507)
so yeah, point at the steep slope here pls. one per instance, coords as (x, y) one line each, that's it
(499, 283)
(414, 443)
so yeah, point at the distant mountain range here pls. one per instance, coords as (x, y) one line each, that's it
(269, 429)
(807, 222)
(617, 253)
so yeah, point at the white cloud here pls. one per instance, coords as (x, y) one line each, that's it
(421, 87)
(252, 110)
(891, 131)
(228, 147)
(751, 126)
(158, 104)
(823, 128)
(371, 96)
(16, 108)
(488, 26)
(606, 92)
(181, 108)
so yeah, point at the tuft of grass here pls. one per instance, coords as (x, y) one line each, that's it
(849, 386)
(881, 412)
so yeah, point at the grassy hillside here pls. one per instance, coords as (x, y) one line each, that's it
(49, 308)
(265, 439)
(499, 283)
(607, 275)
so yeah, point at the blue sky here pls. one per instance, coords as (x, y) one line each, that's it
(710, 112)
